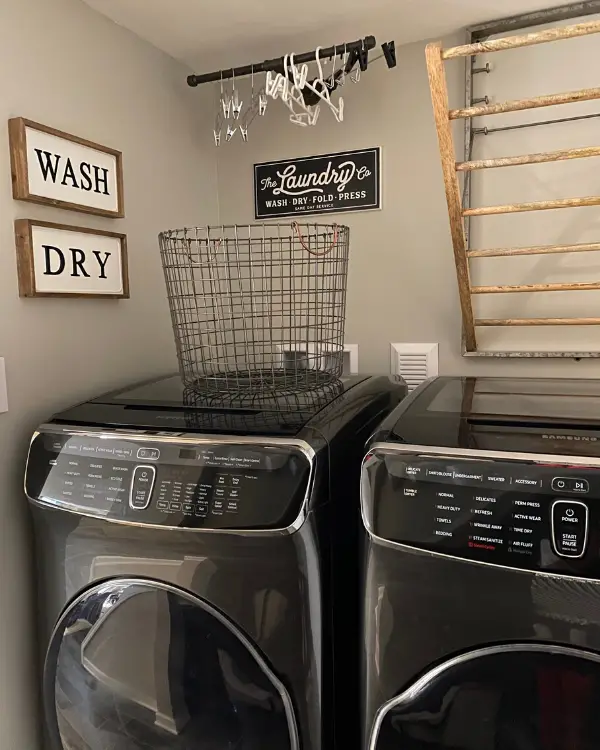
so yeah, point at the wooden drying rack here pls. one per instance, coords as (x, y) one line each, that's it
(435, 57)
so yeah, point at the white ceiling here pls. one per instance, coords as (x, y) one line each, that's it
(207, 34)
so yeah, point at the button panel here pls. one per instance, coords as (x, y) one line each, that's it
(569, 528)
(570, 484)
(141, 487)
(517, 514)
(215, 486)
(148, 454)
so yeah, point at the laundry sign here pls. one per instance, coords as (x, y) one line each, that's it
(63, 170)
(57, 260)
(330, 183)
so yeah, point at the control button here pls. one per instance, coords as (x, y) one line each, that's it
(217, 508)
(236, 480)
(221, 480)
(201, 510)
(174, 506)
(569, 528)
(123, 452)
(105, 450)
(570, 484)
(233, 494)
(148, 454)
(232, 506)
(497, 479)
(527, 482)
(188, 507)
(162, 505)
(141, 487)
(219, 492)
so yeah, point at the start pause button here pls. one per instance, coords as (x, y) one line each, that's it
(569, 528)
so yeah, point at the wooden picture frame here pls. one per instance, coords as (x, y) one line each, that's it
(85, 197)
(26, 260)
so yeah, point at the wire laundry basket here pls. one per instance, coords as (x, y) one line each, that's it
(257, 308)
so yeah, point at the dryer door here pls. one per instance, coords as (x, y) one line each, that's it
(140, 665)
(512, 697)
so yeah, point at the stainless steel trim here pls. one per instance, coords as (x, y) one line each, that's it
(475, 454)
(188, 439)
(425, 450)
(121, 584)
(566, 501)
(422, 683)
(153, 470)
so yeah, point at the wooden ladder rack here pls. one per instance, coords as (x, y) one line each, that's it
(443, 115)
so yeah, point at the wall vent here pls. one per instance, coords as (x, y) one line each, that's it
(414, 362)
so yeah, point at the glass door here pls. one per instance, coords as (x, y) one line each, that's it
(513, 697)
(139, 665)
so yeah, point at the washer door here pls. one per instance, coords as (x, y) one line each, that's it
(512, 697)
(134, 664)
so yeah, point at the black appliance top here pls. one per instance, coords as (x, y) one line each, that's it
(551, 416)
(166, 405)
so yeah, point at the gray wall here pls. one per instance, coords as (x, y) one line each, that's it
(66, 66)
(402, 284)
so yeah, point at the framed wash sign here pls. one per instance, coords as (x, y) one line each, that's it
(62, 170)
(330, 183)
(58, 260)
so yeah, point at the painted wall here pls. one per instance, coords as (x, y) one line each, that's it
(402, 284)
(69, 67)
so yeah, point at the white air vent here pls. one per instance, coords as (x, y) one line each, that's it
(414, 362)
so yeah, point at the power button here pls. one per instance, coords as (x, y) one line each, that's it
(569, 528)
(141, 487)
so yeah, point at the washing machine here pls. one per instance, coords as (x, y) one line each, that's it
(197, 565)
(481, 623)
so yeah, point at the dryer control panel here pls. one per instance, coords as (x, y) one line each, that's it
(524, 514)
(213, 485)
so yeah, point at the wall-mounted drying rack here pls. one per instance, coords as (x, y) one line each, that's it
(358, 51)
(444, 115)
(286, 79)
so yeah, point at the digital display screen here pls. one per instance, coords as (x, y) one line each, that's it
(515, 514)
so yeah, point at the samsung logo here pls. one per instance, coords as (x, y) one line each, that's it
(577, 438)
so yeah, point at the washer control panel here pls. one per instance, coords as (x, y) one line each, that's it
(216, 485)
(523, 514)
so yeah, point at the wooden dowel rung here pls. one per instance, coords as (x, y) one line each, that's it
(516, 105)
(479, 322)
(535, 250)
(512, 208)
(579, 286)
(524, 40)
(513, 161)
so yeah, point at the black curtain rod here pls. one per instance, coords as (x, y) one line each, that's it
(368, 43)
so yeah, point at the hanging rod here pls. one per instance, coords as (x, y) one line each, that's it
(487, 131)
(276, 64)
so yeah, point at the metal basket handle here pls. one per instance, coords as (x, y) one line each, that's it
(296, 228)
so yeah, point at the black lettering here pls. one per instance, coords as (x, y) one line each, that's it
(69, 174)
(103, 179)
(85, 169)
(46, 163)
(61, 261)
(100, 263)
(78, 257)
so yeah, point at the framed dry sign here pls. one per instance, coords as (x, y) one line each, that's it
(57, 260)
(62, 170)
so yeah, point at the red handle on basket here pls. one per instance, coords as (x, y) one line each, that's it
(296, 228)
